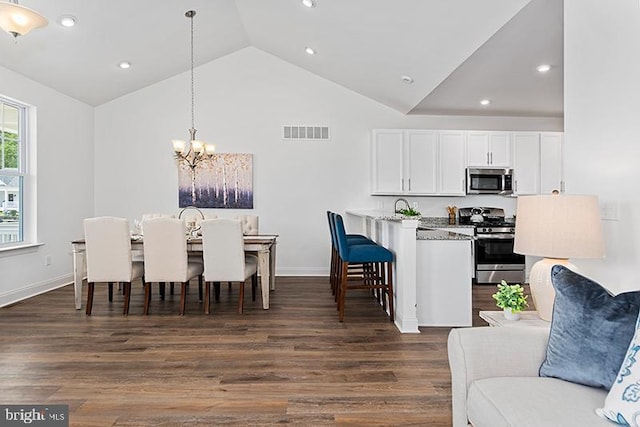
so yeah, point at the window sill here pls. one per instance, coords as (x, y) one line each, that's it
(19, 249)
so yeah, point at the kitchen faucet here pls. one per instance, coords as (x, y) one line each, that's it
(395, 205)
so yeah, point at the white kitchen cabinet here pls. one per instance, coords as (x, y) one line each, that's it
(537, 162)
(417, 162)
(488, 149)
(451, 165)
(551, 162)
(443, 282)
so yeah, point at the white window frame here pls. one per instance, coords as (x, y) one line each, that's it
(26, 166)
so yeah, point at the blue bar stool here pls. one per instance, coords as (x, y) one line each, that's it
(377, 273)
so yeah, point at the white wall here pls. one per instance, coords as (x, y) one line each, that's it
(602, 126)
(64, 157)
(242, 102)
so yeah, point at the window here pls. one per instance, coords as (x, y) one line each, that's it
(13, 144)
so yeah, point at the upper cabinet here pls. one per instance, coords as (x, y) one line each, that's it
(433, 162)
(417, 162)
(537, 162)
(488, 149)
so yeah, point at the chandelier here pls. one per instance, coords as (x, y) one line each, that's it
(193, 151)
(19, 20)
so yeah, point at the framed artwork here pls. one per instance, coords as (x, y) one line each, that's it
(224, 181)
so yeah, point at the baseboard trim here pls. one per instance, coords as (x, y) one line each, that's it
(17, 295)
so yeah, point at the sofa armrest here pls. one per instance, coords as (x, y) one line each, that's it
(485, 352)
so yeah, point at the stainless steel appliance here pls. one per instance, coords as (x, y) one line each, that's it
(494, 256)
(489, 181)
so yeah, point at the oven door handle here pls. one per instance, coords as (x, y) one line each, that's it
(502, 236)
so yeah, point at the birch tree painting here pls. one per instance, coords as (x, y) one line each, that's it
(224, 181)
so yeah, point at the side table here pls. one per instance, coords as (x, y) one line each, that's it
(527, 319)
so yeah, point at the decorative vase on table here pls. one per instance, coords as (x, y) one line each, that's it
(509, 314)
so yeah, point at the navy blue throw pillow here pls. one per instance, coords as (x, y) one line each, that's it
(590, 330)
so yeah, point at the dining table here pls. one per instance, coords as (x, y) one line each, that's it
(262, 245)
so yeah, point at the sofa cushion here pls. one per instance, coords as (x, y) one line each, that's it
(622, 404)
(533, 402)
(590, 330)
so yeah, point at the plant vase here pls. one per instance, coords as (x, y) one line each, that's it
(509, 314)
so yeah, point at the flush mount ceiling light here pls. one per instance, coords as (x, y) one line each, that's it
(67, 21)
(310, 51)
(19, 20)
(543, 68)
(309, 3)
(485, 102)
(407, 79)
(124, 65)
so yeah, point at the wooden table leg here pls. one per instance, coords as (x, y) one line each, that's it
(78, 273)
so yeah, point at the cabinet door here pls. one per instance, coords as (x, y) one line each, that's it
(526, 163)
(551, 162)
(387, 157)
(500, 149)
(478, 149)
(421, 161)
(451, 164)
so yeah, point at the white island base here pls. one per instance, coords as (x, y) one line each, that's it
(432, 276)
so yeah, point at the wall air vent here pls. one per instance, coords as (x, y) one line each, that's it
(319, 133)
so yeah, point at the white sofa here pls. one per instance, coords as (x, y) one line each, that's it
(495, 382)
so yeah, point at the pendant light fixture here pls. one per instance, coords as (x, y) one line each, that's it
(19, 20)
(193, 151)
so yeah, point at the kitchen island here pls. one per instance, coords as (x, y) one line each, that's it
(432, 270)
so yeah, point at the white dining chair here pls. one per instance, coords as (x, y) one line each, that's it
(224, 258)
(109, 257)
(166, 259)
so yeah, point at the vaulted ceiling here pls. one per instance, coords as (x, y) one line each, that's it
(457, 52)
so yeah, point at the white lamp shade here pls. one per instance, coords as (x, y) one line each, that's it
(16, 19)
(559, 226)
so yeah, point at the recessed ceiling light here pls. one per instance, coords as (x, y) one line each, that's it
(407, 79)
(309, 3)
(124, 65)
(485, 102)
(67, 21)
(543, 68)
(310, 51)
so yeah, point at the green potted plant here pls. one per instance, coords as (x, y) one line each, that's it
(511, 299)
(409, 212)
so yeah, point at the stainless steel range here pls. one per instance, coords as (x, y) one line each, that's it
(494, 256)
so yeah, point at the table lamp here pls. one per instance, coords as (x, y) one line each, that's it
(556, 227)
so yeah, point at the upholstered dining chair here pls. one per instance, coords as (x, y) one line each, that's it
(224, 258)
(109, 257)
(166, 259)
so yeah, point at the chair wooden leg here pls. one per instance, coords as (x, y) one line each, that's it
(207, 297)
(241, 302)
(90, 298)
(171, 288)
(127, 297)
(147, 297)
(342, 289)
(216, 290)
(200, 288)
(254, 286)
(389, 266)
(162, 289)
(110, 291)
(183, 298)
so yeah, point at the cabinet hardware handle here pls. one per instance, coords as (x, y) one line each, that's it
(488, 162)
(491, 158)
(409, 184)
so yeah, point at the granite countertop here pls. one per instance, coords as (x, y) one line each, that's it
(430, 234)
(441, 222)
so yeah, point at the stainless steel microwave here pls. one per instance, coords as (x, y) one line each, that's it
(489, 181)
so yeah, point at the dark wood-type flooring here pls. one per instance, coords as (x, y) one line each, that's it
(293, 364)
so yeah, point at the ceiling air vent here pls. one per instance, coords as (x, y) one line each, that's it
(320, 133)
